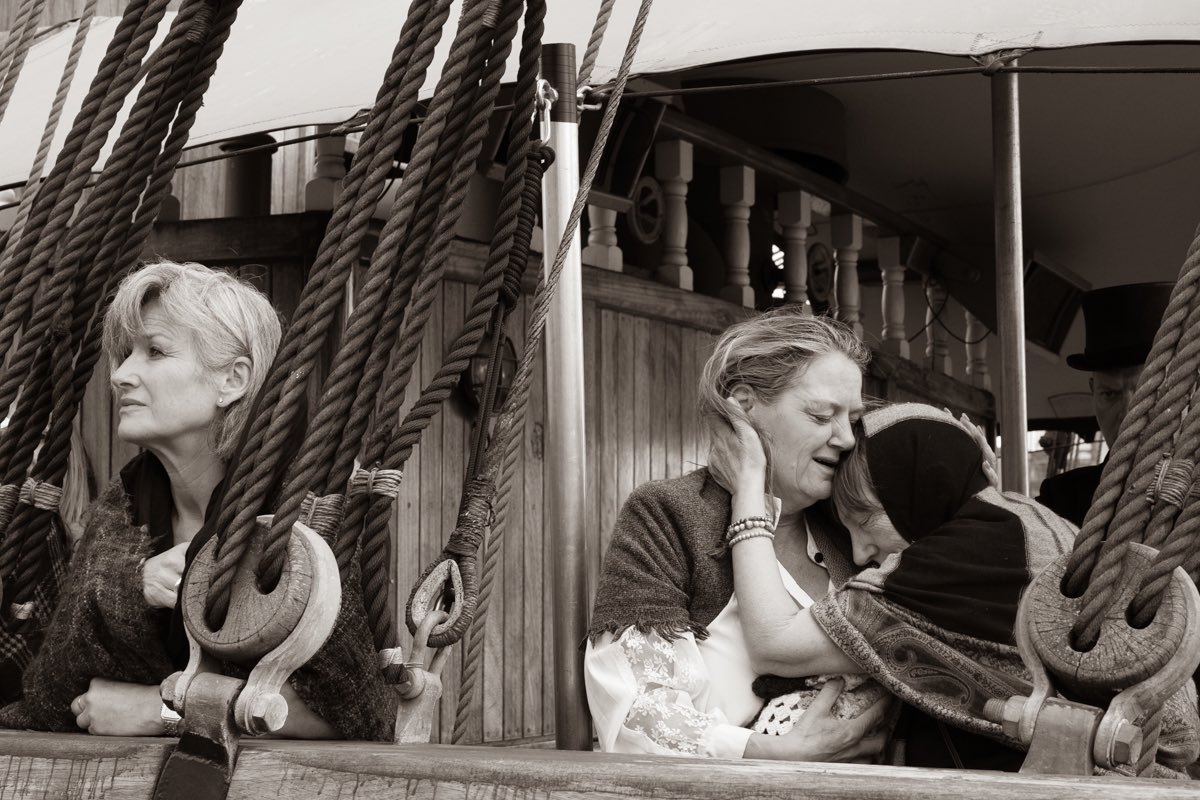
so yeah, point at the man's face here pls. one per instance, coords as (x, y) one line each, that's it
(1112, 392)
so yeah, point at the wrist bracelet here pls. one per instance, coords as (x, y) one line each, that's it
(748, 523)
(753, 533)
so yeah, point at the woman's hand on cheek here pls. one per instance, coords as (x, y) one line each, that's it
(161, 576)
(736, 457)
(113, 708)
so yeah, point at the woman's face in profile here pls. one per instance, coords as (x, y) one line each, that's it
(809, 427)
(166, 400)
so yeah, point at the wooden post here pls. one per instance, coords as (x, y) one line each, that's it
(602, 250)
(737, 197)
(937, 350)
(891, 268)
(673, 169)
(248, 176)
(795, 215)
(846, 234)
(1010, 288)
(566, 455)
(977, 368)
(329, 168)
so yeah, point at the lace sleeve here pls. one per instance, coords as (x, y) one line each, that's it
(649, 695)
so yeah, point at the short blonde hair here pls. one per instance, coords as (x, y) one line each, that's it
(769, 353)
(226, 318)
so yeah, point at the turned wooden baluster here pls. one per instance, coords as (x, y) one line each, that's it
(673, 169)
(795, 215)
(846, 234)
(977, 367)
(329, 168)
(737, 197)
(891, 268)
(937, 350)
(602, 250)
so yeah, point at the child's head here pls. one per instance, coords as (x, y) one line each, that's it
(912, 470)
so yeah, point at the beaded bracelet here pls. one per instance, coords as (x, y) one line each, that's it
(753, 533)
(746, 523)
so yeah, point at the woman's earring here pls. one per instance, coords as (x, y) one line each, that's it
(221, 402)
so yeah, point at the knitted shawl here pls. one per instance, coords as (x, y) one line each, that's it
(667, 569)
(104, 628)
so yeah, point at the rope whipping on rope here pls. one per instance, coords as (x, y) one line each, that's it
(465, 541)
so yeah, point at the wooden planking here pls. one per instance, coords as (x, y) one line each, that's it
(591, 522)
(534, 576)
(433, 480)
(673, 393)
(643, 385)
(42, 766)
(607, 441)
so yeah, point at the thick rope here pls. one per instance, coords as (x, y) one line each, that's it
(60, 98)
(450, 162)
(588, 63)
(138, 142)
(31, 14)
(536, 325)
(124, 234)
(292, 366)
(26, 264)
(1119, 509)
(455, 153)
(10, 41)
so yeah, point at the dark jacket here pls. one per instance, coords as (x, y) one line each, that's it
(1070, 494)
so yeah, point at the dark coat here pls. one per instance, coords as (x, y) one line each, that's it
(1070, 494)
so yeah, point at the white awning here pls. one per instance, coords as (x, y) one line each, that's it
(300, 62)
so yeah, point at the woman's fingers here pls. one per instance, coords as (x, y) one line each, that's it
(870, 719)
(864, 749)
(823, 703)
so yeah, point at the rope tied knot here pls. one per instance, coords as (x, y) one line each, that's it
(1172, 480)
(324, 514)
(40, 495)
(376, 482)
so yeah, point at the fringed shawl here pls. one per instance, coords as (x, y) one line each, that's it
(667, 569)
(103, 628)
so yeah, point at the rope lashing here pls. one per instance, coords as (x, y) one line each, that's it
(60, 98)
(322, 294)
(376, 320)
(324, 514)
(1172, 479)
(376, 483)
(40, 495)
(506, 424)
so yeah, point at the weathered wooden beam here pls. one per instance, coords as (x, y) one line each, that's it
(67, 765)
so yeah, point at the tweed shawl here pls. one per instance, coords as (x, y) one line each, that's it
(667, 568)
(103, 628)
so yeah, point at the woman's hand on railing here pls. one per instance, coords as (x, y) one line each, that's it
(115, 708)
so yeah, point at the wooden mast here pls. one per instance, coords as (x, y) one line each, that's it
(565, 454)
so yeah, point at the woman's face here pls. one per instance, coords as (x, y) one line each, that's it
(873, 537)
(166, 400)
(809, 428)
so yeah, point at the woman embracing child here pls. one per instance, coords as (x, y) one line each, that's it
(930, 617)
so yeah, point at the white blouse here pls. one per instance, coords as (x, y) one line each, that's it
(680, 697)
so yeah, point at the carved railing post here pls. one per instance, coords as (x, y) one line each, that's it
(673, 169)
(602, 250)
(737, 197)
(846, 234)
(937, 351)
(329, 168)
(891, 269)
(795, 215)
(977, 368)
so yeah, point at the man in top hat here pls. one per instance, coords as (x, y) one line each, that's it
(1119, 327)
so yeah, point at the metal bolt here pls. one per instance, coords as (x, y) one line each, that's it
(1126, 744)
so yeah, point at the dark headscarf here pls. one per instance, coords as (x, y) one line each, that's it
(966, 565)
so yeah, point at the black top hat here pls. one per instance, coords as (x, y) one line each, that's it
(1119, 325)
